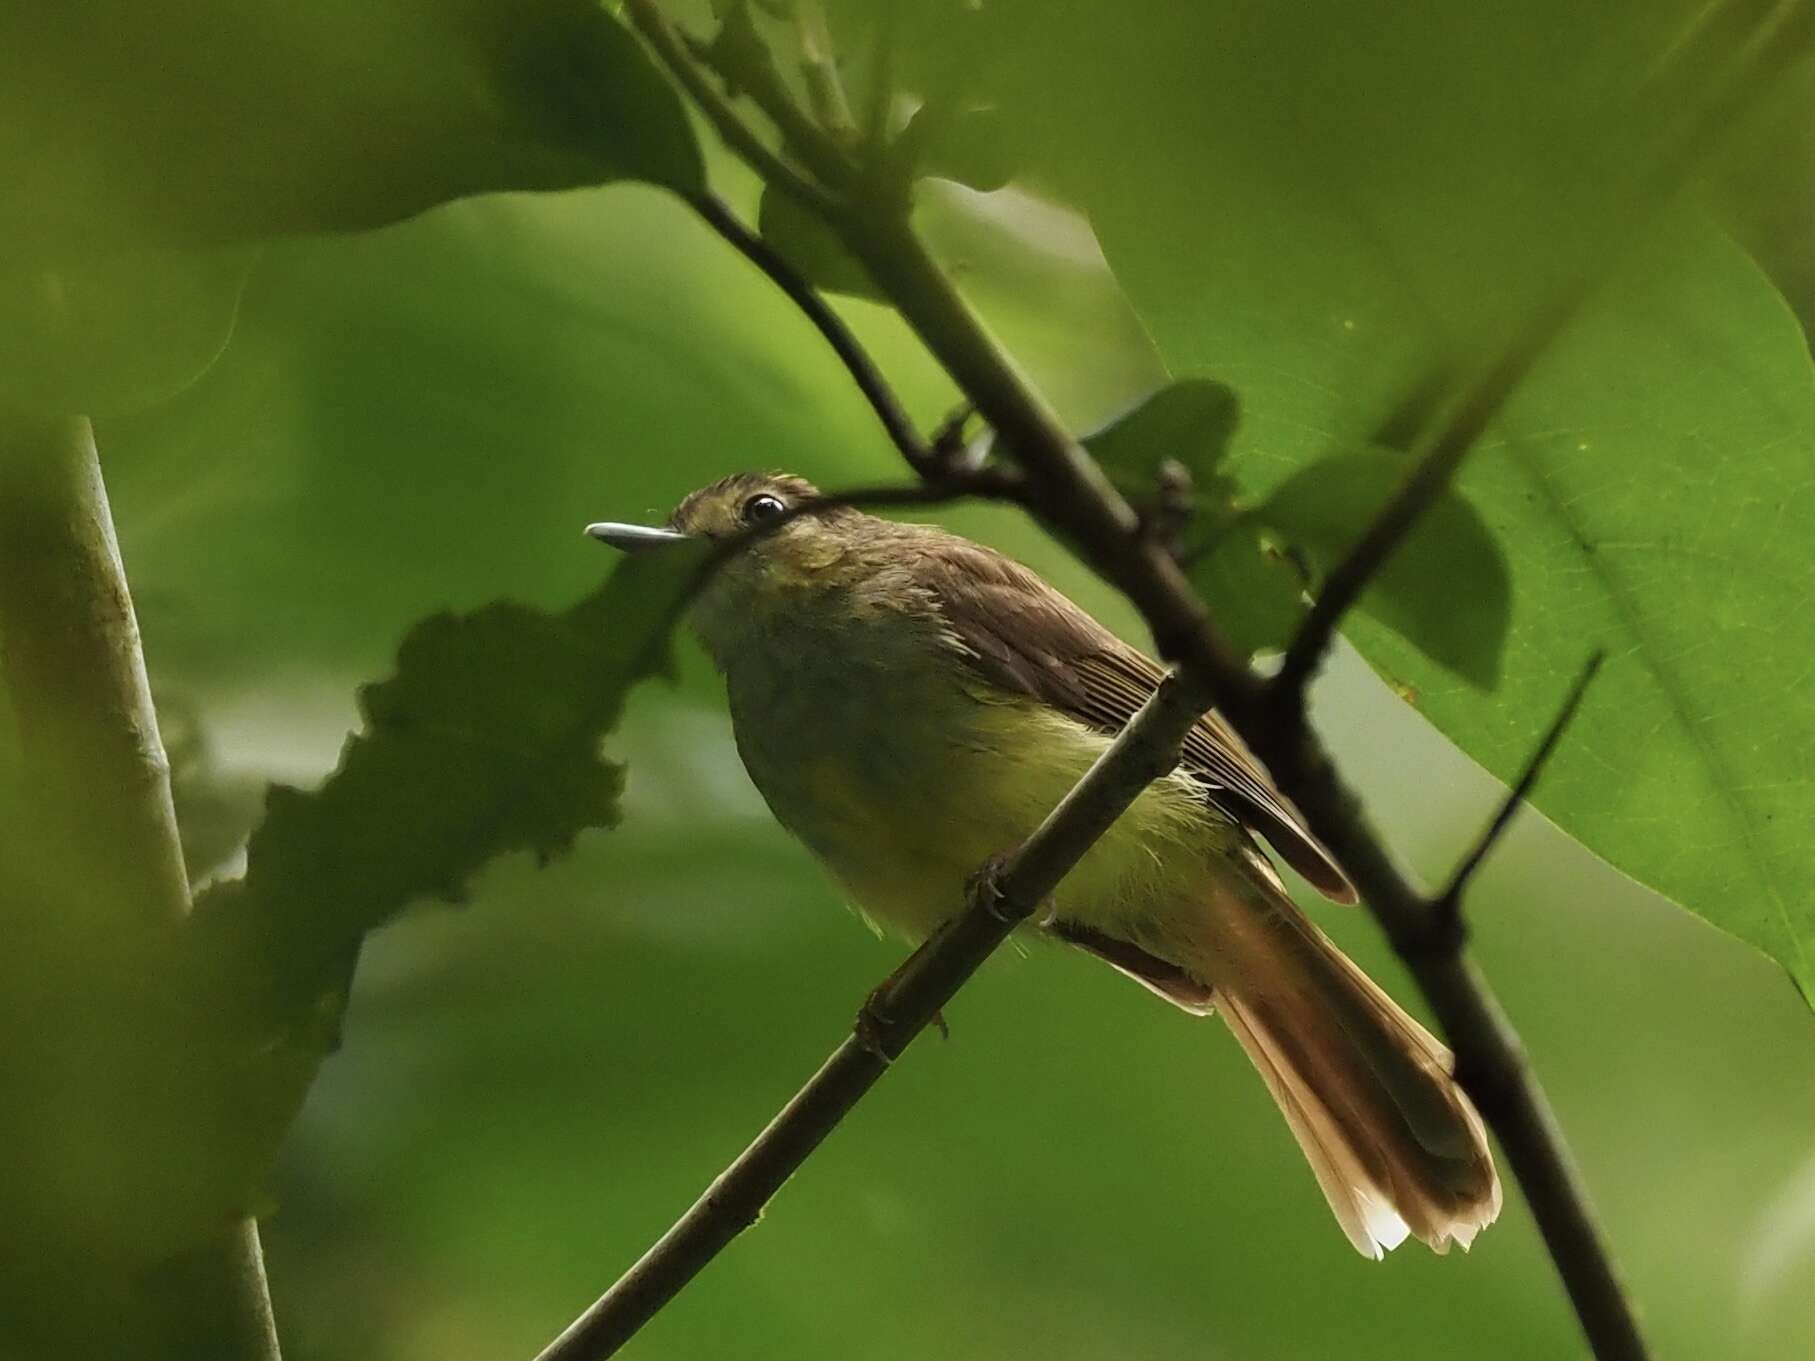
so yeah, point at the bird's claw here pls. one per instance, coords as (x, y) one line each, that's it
(984, 890)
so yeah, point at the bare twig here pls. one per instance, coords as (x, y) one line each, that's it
(737, 134)
(1429, 479)
(717, 214)
(1004, 898)
(1448, 903)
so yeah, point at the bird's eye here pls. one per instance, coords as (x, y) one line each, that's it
(762, 508)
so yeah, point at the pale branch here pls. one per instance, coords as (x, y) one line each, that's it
(1004, 896)
(1448, 903)
(717, 214)
(75, 675)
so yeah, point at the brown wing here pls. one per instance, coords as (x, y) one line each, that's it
(1024, 636)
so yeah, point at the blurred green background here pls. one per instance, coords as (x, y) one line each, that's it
(533, 1087)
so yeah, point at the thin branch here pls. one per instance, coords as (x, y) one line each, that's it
(1002, 899)
(1448, 903)
(744, 63)
(1429, 479)
(737, 134)
(717, 214)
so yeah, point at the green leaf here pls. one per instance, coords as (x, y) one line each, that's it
(814, 250)
(1646, 486)
(1189, 422)
(1424, 192)
(116, 333)
(974, 147)
(1445, 590)
(126, 125)
(1254, 593)
(484, 742)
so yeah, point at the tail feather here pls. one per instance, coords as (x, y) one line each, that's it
(1395, 1144)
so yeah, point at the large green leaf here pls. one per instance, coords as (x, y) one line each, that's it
(130, 135)
(123, 124)
(1650, 487)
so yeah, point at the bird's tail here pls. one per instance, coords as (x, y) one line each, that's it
(1396, 1146)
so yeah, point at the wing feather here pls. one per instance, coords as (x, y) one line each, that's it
(1022, 635)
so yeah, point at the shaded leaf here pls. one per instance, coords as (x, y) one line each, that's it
(1253, 593)
(1189, 422)
(1648, 486)
(974, 146)
(814, 250)
(123, 124)
(116, 333)
(484, 742)
(1445, 590)
(1426, 190)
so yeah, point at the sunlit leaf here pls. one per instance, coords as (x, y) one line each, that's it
(1644, 488)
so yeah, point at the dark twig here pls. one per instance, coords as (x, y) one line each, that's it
(1448, 904)
(737, 134)
(1143, 751)
(717, 214)
(1429, 479)
(744, 63)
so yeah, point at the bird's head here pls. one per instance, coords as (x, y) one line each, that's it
(770, 571)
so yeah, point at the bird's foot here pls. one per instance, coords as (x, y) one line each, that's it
(874, 1024)
(985, 890)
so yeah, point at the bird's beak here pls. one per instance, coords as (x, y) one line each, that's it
(634, 538)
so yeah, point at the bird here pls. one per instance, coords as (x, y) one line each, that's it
(911, 704)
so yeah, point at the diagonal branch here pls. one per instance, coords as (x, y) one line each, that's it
(717, 214)
(737, 134)
(1003, 898)
(1428, 481)
(1448, 903)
